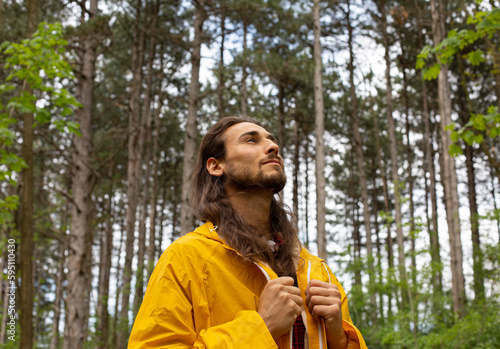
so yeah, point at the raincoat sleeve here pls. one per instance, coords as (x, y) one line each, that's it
(355, 338)
(175, 311)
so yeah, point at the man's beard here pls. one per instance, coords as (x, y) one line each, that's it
(242, 180)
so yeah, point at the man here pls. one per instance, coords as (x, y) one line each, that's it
(242, 279)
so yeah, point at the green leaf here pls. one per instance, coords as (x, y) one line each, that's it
(468, 136)
(450, 127)
(494, 132)
(455, 150)
(478, 122)
(478, 139)
(476, 57)
(432, 72)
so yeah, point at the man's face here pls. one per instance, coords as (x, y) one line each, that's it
(252, 160)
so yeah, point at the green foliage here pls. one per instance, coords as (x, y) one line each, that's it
(475, 130)
(37, 72)
(485, 24)
(478, 329)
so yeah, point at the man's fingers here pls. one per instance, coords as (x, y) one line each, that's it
(293, 290)
(320, 284)
(324, 311)
(322, 289)
(314, 300)
(297, 299)
(284, 280)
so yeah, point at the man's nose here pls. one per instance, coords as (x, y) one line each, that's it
(273, 148)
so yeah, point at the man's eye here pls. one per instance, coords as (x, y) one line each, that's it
(251, 140)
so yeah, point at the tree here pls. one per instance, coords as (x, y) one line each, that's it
(394, 154)
(448, 172)
(38, 62)
(429, 168)
(190, 139)
(26, 216)
(319, 132)
(358, 145)
(82, 181)
(136, 138)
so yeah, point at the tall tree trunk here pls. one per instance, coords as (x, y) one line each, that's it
(119, 280)
(389, 241)
(306, 188)
(412, 292)
(175, 217)
(477, 255)
(78, 276)
(319, 129)
(5, 314)
(411, 180)
(493, 195)
(154, 197)
(379, 251)
(26, 210)
(187, 218)
(356, 238)
(4, 294)
(88, 265)
(281, 120)
(222, 84)
(3, 261)
(394, 159)
(102, 313)
(134, 170)
(147, 124)
(54, 341)
(448, 172)
(281, 116)
(244, 94)
(296, 170)
(358, 145)
(429, 168)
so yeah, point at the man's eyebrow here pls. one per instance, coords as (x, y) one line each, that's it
(249, 133)
(272, 138)
(269, 136)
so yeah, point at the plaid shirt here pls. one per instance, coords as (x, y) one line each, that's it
(299, 330)
(298, 333)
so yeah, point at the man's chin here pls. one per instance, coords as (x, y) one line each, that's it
(276, 183)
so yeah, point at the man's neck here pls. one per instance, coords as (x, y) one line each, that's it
(254, 207)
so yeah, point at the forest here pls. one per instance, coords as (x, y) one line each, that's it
(386, 113)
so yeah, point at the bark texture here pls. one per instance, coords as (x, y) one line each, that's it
(106, 243)
(244, 93)
(394, 158)
(78, 272)
(319, 129)
(430, 170)
(134, 170)
(448, 172)
(54, 341)
(187, 218)
(26, 210)
(358, 145)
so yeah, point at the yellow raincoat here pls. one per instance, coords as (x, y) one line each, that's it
(202, 295)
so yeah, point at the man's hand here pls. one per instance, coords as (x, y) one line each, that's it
(280, 304)
(324, 302)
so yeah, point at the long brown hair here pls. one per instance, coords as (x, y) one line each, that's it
(210, 203)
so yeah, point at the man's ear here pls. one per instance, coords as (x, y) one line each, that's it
(214, 167)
